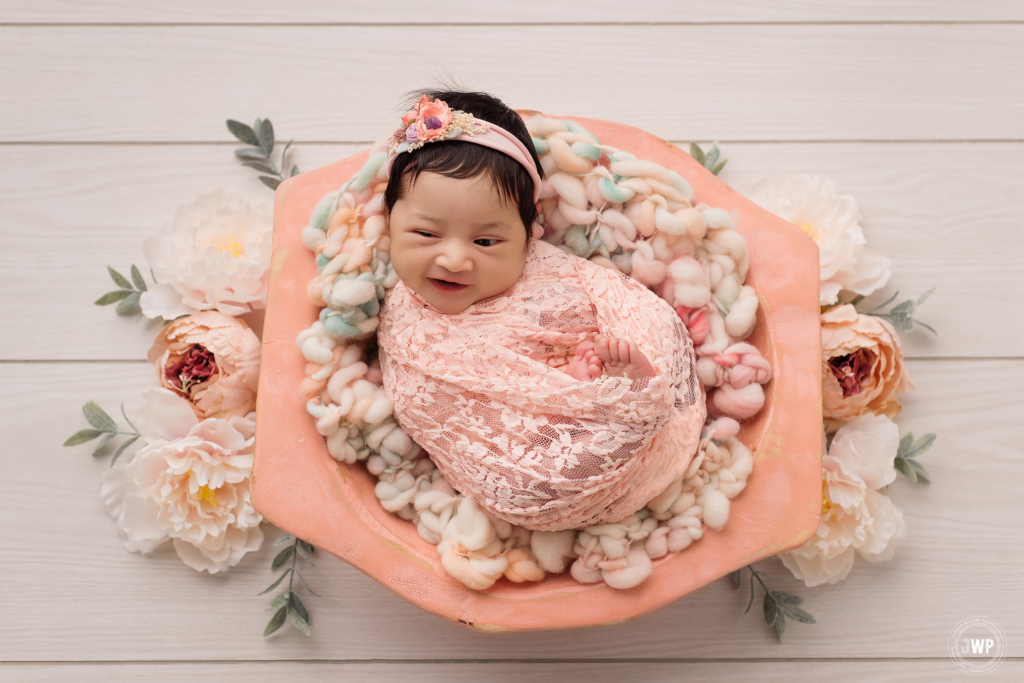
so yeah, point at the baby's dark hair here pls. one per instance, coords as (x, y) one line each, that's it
(460, 159)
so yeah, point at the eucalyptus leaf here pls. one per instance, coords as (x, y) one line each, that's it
(697, 153)
(718, 168)
(125, 416)
(266, 135)
(920, 471)
(905, 307)
(243, 132)
(275, 584)
(111, 297)
(299, 607)
(905, 443)
(120, 449)
(283, 538)
(276, 621)
(751, 591)
(256, 127)
(282, 557)
(922, 445)
(308, 547)
(297, 620)
(140, 284)
(770, 609)
(250, 153)
(780, 626)
(902, 324)
(903, 466)
(119, 280)
(260, 166)
(887, 302)
(294, 172)
(784, 598)
(285, 151)
(102, 443)
(306, 586)
(128, 304)
(924, 297)
(82, 436)
(794, 612)
(927, 327)
(272, 183)
(304, 555)
(98, 417)
(712, 157)
(278, 602)
(736, 580)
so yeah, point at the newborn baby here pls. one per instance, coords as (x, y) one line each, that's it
(556, 393)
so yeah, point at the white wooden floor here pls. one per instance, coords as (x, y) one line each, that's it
(112, 114)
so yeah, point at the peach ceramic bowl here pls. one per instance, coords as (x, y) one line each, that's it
(298, 487)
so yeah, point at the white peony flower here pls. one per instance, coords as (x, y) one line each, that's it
(855, 518)
(215, 255)
(833, 222)
(189, 484)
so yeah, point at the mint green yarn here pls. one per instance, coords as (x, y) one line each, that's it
(336, 325)
(322, 212)
(321, 262)
(586, 151)
(577, 128)
(540, 145)
(623, 156)
(368, 170)
(613, 192)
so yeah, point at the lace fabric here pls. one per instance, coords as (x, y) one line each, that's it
(483, 392)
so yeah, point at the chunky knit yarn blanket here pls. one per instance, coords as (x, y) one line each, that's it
(484, 394)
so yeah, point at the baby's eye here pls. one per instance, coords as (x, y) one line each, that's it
(485, 239)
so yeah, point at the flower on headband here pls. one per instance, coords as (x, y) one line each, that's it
(429, 121)
(434, 117)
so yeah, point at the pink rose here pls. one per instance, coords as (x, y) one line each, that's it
(434, 117)
(210, 359)
(862, 365)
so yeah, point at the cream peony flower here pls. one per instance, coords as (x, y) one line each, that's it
(189, 484)
(210, 359)
(215, 255)
(856, 519)
(833, 221)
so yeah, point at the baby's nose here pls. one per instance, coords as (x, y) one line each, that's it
(455, 259)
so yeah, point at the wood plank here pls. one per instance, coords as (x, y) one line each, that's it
(798, 82)
(79, 597)
(527, 11)
(844, 671)
(70, 210)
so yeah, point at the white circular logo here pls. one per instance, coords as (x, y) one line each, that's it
(977, 645)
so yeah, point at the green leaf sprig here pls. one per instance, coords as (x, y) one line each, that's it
(129, 293)
(105, 427)
(901, 315)
(288, 604)
(907, 452)
(710, 160)
(777, 605)
(260, 137)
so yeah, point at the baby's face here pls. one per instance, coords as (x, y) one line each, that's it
(456, 230)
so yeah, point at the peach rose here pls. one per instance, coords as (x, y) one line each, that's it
(434, 117)
(862, 365)
(210, 359)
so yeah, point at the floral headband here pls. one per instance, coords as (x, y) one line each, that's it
(432, 120)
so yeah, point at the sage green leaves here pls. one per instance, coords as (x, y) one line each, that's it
(777, 605)
(104, 429)
(908, 450)
(288, 604)
(710, 160)
(127, 297)
(901, 315)
(260, 138)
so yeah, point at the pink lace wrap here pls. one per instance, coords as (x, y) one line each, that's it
(483, 393)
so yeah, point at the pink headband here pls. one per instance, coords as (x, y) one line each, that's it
(431, 121)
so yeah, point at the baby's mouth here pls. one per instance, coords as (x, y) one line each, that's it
(445, 286)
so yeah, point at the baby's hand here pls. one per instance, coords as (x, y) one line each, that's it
(623, 358)
(585, 365)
